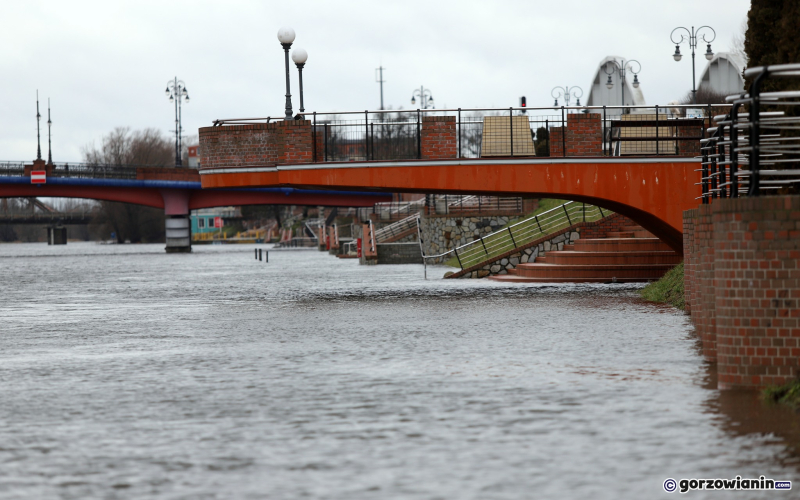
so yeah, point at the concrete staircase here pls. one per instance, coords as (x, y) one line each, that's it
(629, 255)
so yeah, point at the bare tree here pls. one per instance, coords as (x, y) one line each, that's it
(122, 147)
(737, 42)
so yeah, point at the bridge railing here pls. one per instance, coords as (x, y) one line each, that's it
(518, 234)
(93, 171)
(755, 147)
(78, 170)
(11, 169)
(560, 131)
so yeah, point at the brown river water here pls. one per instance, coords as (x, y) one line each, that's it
(129, 373)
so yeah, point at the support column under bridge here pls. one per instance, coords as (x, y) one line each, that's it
(177, 225)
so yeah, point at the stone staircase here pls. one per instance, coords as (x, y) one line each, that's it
(630, 254)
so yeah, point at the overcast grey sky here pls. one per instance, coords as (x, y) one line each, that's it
(106, 63)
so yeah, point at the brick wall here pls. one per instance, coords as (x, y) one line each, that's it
(584, 136)
(757, 245)
(706, 301)
(743, 287)
(438, 137)
(689, 147)
(281, 142)
(688, 259)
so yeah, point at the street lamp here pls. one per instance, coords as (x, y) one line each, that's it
(622, 67)
(300, 56)
(692, 39)
(176, 91)
(425, 97)
(567, 93)
(286, 37)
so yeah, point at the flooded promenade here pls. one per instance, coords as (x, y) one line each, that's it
(129, 373)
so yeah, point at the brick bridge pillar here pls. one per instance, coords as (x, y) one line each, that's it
(743, 287)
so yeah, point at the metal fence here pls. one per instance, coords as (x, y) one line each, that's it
(509, 132)
(78, 170)
(761, 129)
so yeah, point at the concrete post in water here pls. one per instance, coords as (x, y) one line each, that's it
(177, 224)
(56, 235)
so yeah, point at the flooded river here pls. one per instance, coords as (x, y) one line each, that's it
(129, 373)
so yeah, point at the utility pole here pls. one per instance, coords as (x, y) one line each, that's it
(379, 79)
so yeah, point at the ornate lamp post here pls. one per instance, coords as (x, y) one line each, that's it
(621, 67)
(692, 39)
(425, 97)
(49, 142)
(38, 139)
(300, 56)
(286, 37)
(567, 93)
(176, 91)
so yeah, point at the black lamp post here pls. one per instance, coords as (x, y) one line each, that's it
(286, 37)
(692, 39)
(300, 56)
(621, 67)
(38, 139)
(49, 142)
(176, 91)
(566, 93)
(425, 98)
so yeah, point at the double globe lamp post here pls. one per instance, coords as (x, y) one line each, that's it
(299, 56)
(176, 91)
(621, 68)
(691, 37)
(567, 93)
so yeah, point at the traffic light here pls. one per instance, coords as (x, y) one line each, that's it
(523, 103)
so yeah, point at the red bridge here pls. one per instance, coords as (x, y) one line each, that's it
(642, 166)
(177, 191)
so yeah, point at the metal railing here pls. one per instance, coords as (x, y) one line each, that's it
(79, 170)
(11, 169)
(392, 230)
(748, 138)
(503, 132)
(486, 248)
(41, 218)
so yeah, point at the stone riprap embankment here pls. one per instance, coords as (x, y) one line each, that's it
(443, 233)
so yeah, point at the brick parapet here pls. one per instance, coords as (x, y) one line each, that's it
(280, 142)
(584, 136)
(689, 147)
(438, 137)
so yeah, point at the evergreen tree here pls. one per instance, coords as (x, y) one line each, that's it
(772, 37)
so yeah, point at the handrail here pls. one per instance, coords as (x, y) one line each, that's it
(521, 233)
(395, 228)
(309, 114)
(753, 138)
